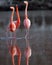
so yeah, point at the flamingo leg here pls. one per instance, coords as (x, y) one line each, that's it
(27, 61)
(13, 60)
(27, 38)
(27, 34)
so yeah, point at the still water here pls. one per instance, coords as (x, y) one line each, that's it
(40, 39)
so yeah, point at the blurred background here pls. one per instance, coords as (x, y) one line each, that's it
(40, 14)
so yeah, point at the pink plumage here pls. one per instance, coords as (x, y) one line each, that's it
(27, 23)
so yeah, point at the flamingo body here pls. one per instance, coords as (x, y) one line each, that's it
(12, 27)
(27, 23)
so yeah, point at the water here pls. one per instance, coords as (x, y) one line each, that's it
(40, 42)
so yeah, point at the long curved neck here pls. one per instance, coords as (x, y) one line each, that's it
(17, 12)
(26, 11)
(18, 17)
(12, 15)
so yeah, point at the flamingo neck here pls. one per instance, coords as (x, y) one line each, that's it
(26, 11)
(11, 19)
(17, 13)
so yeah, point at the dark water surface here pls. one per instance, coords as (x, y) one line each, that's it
(41, 45)
(40, 39)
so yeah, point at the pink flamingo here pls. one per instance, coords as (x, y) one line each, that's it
(27, 25)
(12, 26)
(27, 22)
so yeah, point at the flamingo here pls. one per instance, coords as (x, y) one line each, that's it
(14, 50)
(12, 26)
(27, 22)
(27, 25)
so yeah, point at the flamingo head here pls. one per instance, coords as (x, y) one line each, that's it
(12, 8)
(17, 7)
(26, 2)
